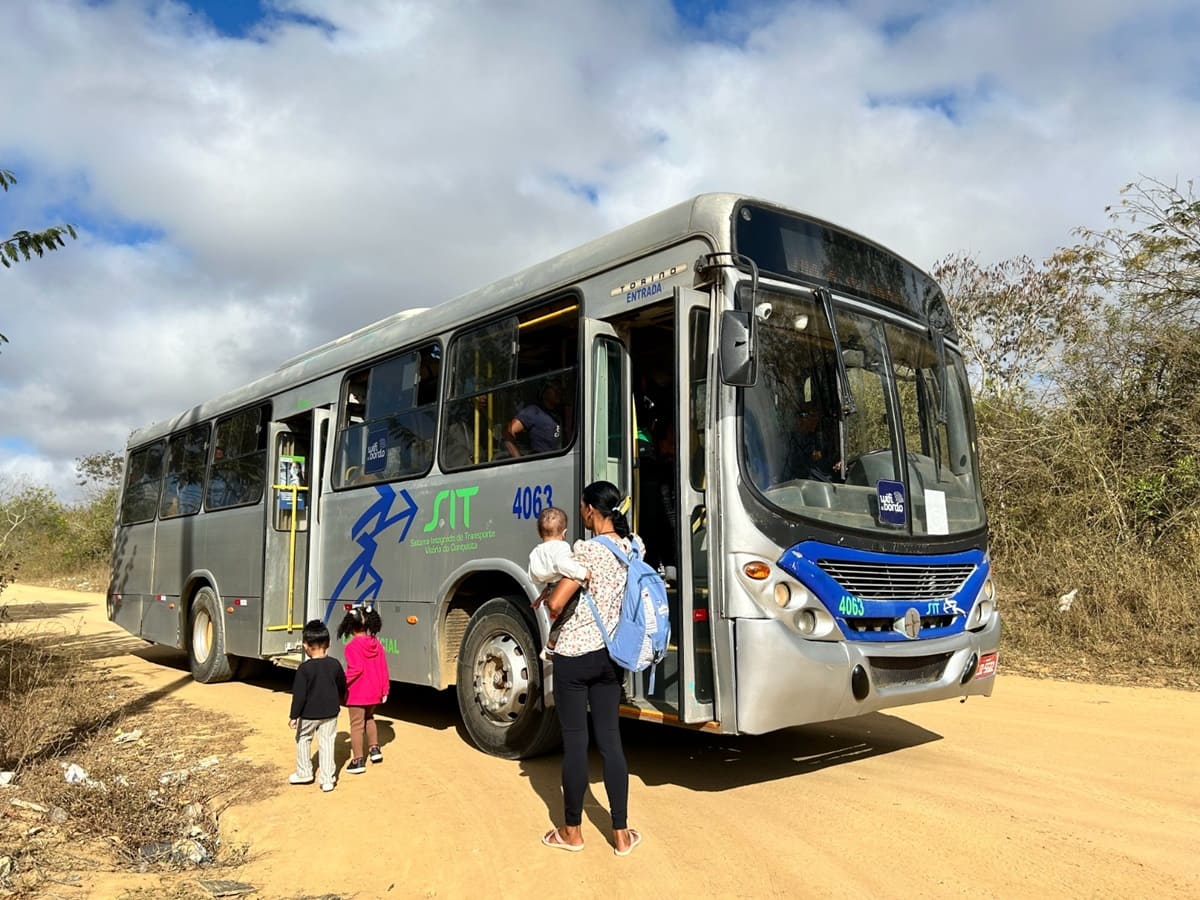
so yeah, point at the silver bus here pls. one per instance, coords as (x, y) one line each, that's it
(785, 400)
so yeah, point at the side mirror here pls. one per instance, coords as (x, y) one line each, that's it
(739, 366)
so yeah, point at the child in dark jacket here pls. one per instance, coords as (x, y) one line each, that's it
(317, 692)
(368, 683)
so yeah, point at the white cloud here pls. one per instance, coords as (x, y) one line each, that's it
(310, 180)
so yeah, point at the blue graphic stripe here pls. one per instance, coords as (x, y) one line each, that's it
(361, 578)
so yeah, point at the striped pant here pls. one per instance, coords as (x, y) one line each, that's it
(326, 731)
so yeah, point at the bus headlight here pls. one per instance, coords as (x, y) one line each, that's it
(791, 595)
(774, 590)
(985, 605)
(806, 621)
(783, 594)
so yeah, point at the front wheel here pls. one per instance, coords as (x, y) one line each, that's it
(206, 646)
(500, 685)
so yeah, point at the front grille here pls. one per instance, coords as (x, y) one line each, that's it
(890, 581)
(870, 623)
(892, 670)
(865, 624)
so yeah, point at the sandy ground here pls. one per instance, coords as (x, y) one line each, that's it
(1046, 789)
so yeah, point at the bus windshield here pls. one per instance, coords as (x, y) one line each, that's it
(870, 453)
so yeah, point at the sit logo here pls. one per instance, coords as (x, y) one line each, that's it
(454, 495)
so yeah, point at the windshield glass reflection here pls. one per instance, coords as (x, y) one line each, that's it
(807, 452)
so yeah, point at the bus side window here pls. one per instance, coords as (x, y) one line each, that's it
(388, 419)
(143, 484)
(237, 474)
(512, 387)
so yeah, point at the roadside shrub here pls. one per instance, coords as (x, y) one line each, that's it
(109, 774)
(46, 702)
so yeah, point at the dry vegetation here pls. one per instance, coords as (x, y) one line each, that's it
(1086, 590)
(1084, 369)
(151, 776)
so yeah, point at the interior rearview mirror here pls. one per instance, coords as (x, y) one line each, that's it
(739, 367)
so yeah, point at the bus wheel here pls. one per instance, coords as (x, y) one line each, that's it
(500, 685)
(206, 648)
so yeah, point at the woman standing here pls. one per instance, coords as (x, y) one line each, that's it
(585, 675)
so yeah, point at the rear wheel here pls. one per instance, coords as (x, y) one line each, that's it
(500, 685)
(206, 644)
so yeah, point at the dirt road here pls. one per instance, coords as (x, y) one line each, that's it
(1047, 789)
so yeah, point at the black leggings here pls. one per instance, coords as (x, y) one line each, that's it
(579, 680)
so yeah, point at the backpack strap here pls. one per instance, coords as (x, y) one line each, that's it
(587, 595)
(620, 555)
(616, 549)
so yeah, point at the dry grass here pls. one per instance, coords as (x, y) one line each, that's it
(1131, 621)
(93, 578)
(142, 797)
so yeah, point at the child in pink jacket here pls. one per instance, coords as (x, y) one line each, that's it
(367, 683)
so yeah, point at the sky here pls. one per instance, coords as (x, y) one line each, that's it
(251, 179)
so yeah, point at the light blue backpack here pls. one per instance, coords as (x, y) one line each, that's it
(644, 627)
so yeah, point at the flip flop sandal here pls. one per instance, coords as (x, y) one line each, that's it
(555, 840)
(635, 839)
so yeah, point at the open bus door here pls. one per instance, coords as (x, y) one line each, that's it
(296, 469)
(665, 407)
(694, 637)
(683, 682)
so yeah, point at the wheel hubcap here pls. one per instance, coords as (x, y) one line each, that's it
(201, 636)
(501, 679)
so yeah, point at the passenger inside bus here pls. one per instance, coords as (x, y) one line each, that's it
(542, 425)
(814, 449)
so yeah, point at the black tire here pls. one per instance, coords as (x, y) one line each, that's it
(500, 685)
(206, 640)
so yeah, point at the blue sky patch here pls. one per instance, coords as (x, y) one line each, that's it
(586, 190)
(113, 230)
(947, 103)
(697, 12)
(898, 27)
(24, 205)
(16, 446)
(240, 18)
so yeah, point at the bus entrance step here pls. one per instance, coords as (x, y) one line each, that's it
(289, 660)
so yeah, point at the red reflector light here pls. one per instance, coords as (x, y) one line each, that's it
(349, 606)
(699, 615)
(987, 665)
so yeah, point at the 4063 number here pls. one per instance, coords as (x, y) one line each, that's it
(530, 500)
(850, 606)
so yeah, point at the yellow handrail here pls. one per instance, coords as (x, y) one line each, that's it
(290, 626)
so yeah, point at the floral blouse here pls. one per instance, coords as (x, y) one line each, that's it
(580, 634)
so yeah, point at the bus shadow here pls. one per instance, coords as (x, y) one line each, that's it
(98, 646)
(161, 655)
(424, 707)
(56, 625)
(30, 611)
(708, 762)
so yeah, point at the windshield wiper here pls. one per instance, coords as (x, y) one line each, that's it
(846, 393)
(939, 345)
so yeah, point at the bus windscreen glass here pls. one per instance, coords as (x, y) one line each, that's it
(890, 465)
(818, 254)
